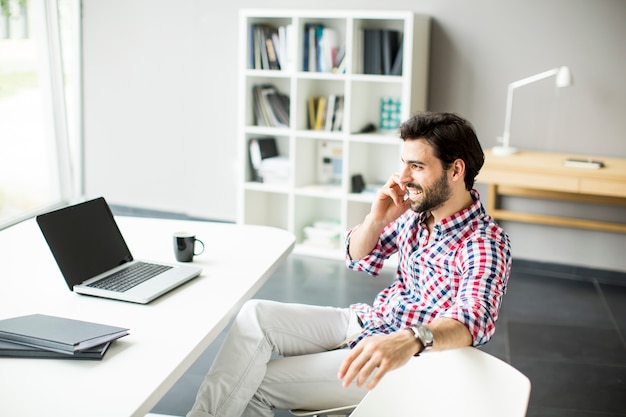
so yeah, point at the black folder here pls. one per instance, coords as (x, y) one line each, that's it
(15, 350)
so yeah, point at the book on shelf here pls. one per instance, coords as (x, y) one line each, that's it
(272, 54)
(320, 113)
(340, 60)
(270, 106)
(15, 350)
(330, 112)
(312, 110)
(327, 50)
(338, 115)
(57, 334)
(309, 52)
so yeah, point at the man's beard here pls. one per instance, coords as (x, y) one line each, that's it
(432, 197)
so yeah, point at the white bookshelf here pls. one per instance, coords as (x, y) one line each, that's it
(300, 201)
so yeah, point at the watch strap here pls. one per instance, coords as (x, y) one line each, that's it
(416, 335)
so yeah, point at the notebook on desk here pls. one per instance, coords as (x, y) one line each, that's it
(94, 259)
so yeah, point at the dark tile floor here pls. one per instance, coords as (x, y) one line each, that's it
(563, 327)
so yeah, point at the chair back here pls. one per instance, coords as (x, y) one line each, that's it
(458, 382)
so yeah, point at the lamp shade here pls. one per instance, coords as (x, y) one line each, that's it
(564, 77)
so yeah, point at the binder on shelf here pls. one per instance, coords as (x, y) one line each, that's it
(390, 42)
(372, 52)
(15, 350)
(57, 334)
(382, 52)
(396, 68)
(260, 149)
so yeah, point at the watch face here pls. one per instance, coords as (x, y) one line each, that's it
(426, 336)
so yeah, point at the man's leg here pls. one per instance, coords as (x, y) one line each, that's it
(261, 328)
(307, 382)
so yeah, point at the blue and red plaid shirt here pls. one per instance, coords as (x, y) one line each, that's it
(461, 274)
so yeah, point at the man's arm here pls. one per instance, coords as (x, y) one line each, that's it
(379, 354)
(388, 205)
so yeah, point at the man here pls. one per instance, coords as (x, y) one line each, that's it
(454, 264)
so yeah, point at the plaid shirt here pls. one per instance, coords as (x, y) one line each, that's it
(462, 274)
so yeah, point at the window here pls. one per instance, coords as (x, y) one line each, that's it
(39, 106)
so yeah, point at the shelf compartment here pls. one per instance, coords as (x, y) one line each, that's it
(309, 88)
(320, 162)
(283, 29)
(370, 38)
(310, 209)
(357, 210)
(374, 162)
(266, 208)
(365, 102)
(309, 56)
(281, 85)
(282, 145)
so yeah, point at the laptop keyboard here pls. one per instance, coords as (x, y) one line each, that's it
(130, 277)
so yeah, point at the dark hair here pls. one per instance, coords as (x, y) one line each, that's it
(451, 137)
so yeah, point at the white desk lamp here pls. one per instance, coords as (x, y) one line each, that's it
(563, 79)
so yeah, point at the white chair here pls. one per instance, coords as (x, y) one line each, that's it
(330, 412)
(459, 382)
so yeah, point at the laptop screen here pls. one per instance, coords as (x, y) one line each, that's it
(84, 239)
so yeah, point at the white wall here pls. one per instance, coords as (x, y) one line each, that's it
(160, 85)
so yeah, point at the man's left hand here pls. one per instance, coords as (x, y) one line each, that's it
(376, 355)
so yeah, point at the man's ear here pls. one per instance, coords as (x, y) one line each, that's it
(458, 170)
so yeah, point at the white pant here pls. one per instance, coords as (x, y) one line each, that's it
(248, 379)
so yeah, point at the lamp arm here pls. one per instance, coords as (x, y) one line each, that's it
(509, 100)
(534, 78)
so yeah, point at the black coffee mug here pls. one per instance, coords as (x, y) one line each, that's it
(185, 246)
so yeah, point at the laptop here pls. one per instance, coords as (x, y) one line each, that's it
(94, 259)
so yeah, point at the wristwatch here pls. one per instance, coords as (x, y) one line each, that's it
(423, 335)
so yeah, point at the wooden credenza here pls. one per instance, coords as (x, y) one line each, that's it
(543, 175)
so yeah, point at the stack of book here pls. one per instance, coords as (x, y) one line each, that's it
(43, 336)
(271, 107)
(326, 112)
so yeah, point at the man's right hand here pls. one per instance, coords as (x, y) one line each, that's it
(390, 201)
(388, 205)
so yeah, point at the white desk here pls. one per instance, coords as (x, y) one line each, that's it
(166, 336)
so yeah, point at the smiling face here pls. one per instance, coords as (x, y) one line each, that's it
(429, 187)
